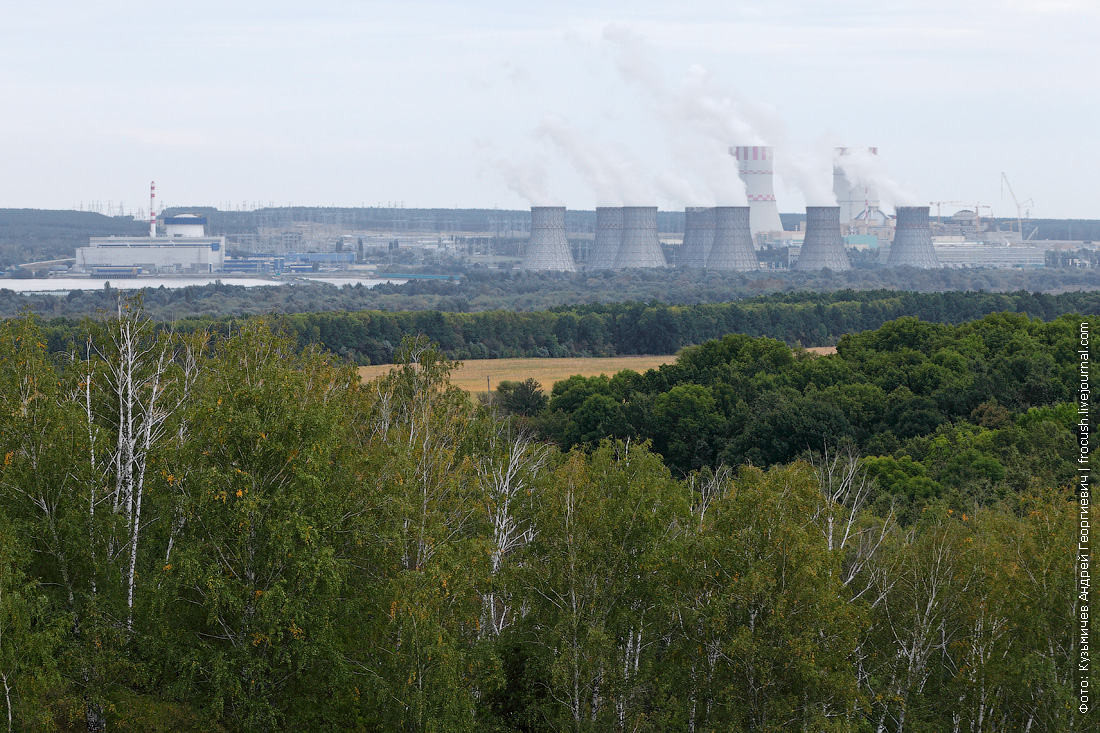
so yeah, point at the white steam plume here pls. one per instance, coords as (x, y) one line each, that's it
(525, 178)
(701, 118)
(612, 175)
(810, 171)
(862, 168)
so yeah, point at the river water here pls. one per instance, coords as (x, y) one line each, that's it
(64, 285)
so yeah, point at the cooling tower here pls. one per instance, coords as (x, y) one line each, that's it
(912, 239)
(640, 247)
(822, 246)
(548, 248)
(609, 234)
(853, 197)
(732, 248)
(754, 164)
(698, 236)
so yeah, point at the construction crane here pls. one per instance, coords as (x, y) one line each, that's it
(1019, 205)
(939, 204)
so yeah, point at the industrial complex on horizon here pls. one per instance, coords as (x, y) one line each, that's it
(732, 238)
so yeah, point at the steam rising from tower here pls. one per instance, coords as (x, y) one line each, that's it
(855, 192)
(640, 246)
(754, 164)
(822, 246)
(609, 235)
(548, 249)
(913, 239)
(698, 236)
(732, 248)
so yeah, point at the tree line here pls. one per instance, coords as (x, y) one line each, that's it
(233, 533)
(480, 290)
(809, 319)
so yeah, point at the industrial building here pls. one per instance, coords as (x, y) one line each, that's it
(975, 254)
(184, 249)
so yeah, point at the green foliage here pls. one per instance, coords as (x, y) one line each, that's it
(29, 638)
(366, 325)
(284, 547)
(524, 398)
(968, 413)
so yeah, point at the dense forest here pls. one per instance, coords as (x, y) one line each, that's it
(231, 532)
(808, 319)
(475, 291)
(31, 235)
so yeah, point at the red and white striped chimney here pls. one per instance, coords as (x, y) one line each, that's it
(152, 209)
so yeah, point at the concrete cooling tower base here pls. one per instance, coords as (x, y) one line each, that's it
(698, 236)
(822, 247)
(732, 249)
(548, 249)
(912, 244)
(609, 235)
(640, 246)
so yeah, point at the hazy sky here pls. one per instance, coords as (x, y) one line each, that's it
(481, 104)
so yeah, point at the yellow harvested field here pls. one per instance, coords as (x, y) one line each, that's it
(472, 374)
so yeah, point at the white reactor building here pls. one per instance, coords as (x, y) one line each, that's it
(183, 249)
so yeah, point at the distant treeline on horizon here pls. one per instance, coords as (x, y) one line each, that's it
(38, 224)
(613, 329)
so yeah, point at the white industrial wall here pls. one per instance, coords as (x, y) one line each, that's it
(161, 258)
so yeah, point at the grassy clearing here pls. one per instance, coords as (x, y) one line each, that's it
(472, 374)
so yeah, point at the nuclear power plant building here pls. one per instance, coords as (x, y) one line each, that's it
(184, 249)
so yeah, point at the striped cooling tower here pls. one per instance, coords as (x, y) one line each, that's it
(698, 236)
(609, 235)
(548, 248)
(912, 244)
(822, 246)
(754, 165)
(732, 248)
(640, 246)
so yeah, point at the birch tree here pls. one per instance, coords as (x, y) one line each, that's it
(507, 472)
(593, 577)
(428, 554)
(261, 559)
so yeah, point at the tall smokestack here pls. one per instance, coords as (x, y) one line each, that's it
(754, 164)
(640, 246)
(609, 235)
(912, 239)
(822, 246)
(732, 248)
(152, 208)
(853, 197)
(698, 236)
(548, 249)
